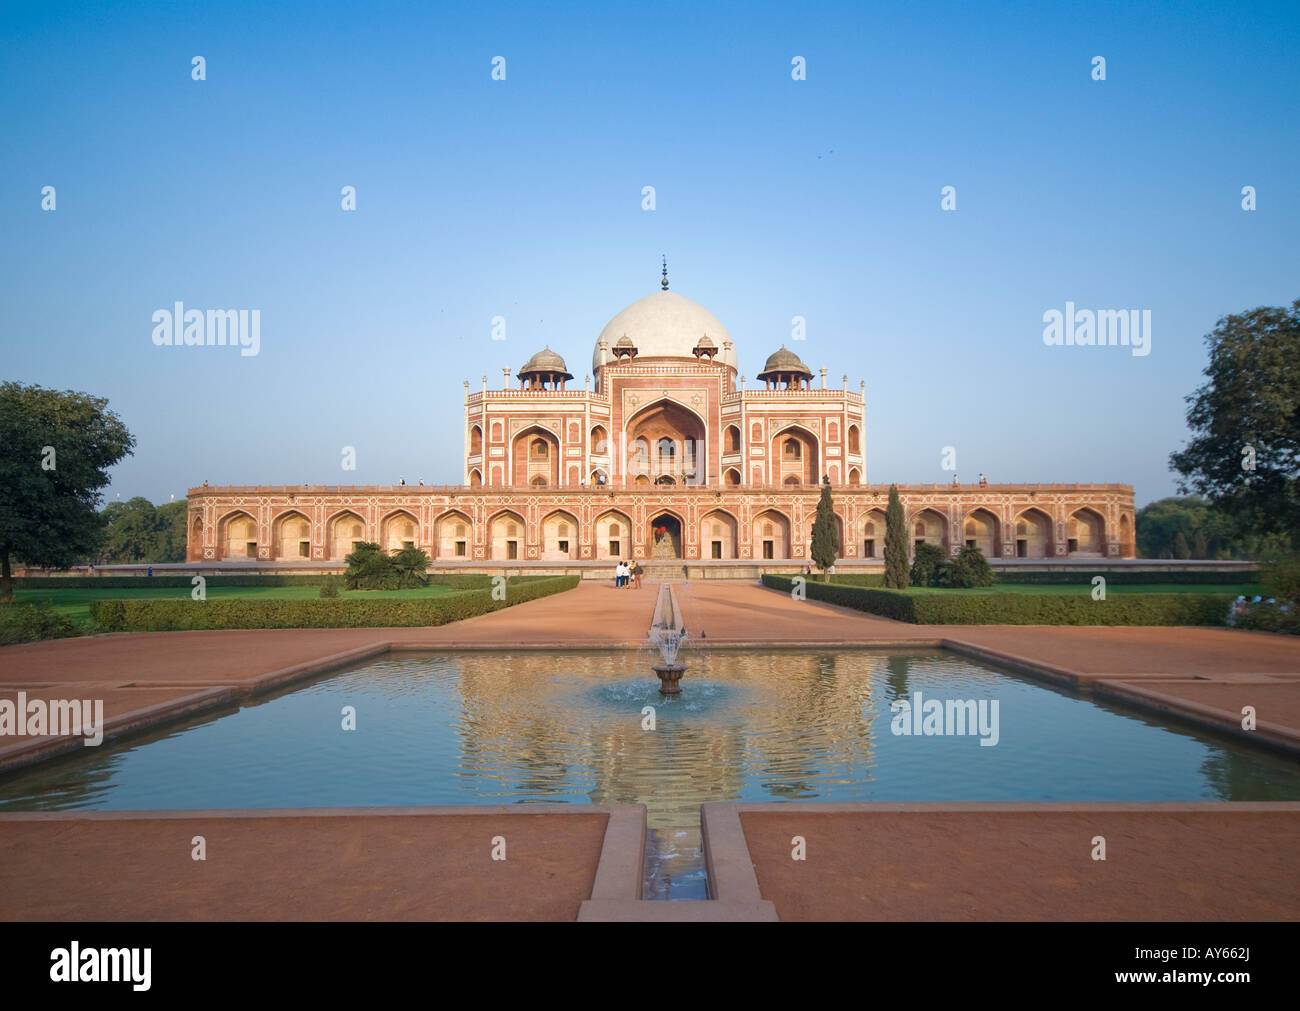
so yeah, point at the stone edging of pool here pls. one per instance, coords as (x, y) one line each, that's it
(1217, 861)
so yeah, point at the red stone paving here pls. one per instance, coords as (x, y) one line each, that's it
(953, 864)
(287, 866)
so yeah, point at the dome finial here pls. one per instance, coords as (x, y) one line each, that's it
(664, 282)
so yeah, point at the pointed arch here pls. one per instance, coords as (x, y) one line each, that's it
(535, 453)
(613, 535)
(980, 528)
(1033, 533)
(666, 438)
(928, 525)
(873, 526)
(453, 533)
(770, 535)
(506, 532)
(795, 452)
(237, 535)
(399, 529)
(672, 543)
(1085, 532)
(343, 530)
(560, 535)
(291, 536)
(719, 535)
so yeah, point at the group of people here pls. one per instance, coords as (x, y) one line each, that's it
(627, 574)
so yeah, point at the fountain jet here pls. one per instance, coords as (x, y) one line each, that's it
(667, 639)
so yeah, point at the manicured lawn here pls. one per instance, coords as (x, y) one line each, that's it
(76, 603)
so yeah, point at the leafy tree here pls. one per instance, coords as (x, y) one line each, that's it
(173, 519)
(411, 566)
(1213, 532)
(1245, 421)
(969, 568)
(1181, 549)
(55, 452)
(825, 536)
(370, 567)
(927, 565)
(895, 542)
(138, 531)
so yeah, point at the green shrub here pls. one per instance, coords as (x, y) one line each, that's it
(860, 578)
(157, 582)
(896, 604)
(926, 565)
(330, 587)
(1266, 617)
(1281, 579)
(260, 612)
(1020, 608)
(1125, 577)
(459, 581)
(970, 568)
(370, 567)
(33, 622)
(411, 566)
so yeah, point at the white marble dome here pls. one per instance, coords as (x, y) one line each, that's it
(664, 325)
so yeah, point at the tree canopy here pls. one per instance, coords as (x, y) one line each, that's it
(1245, 421)
(55, 452)
(139, 531)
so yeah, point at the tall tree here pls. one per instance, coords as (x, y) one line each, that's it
(139, 531)
(825, 535)
(1245, 421)
(55, 452)
(895, 542)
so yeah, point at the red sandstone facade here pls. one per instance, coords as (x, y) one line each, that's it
(668, 455)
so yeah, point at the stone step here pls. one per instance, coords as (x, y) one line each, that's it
(660, 911)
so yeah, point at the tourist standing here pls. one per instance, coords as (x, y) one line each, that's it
(636, 573)
(618, 575)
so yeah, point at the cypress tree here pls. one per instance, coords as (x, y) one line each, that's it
(895, 542)
(825, 537)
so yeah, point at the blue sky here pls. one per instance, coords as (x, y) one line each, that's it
(522, 198)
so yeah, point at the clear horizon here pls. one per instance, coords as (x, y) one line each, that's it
(522, 198)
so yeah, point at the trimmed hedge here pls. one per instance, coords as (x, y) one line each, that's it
(162, 582)
(1124, 577)
(860, 579)
(958, 608)
(455, 581)
(183, 614)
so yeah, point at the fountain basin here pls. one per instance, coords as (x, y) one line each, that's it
(670, 677)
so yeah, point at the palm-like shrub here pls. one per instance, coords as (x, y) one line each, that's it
(370, 568)
(411, 566)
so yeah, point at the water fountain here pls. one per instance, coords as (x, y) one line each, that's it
(667, 638)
